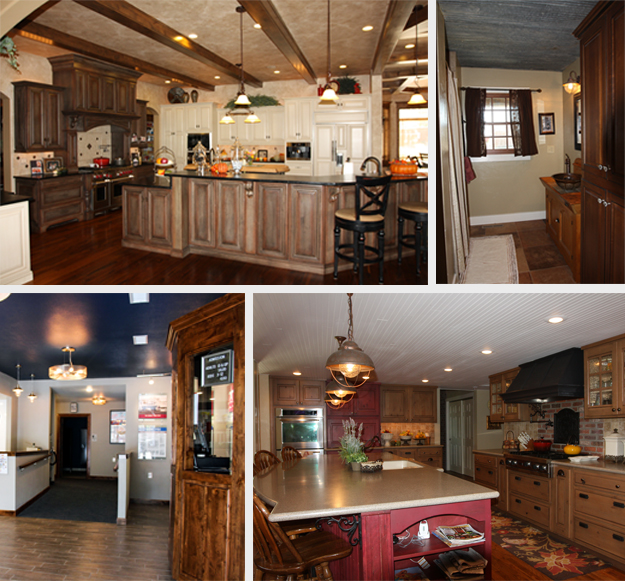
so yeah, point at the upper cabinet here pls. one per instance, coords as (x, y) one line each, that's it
(604, 378)
(298, 119)
(405, 403)
(270, 130)
(38, 117)
(287, 391)
(499, 410)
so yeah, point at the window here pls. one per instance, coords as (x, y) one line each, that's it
(497, 128)
(413, 132)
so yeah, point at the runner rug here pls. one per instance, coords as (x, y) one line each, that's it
(551, 557)
(492, 260)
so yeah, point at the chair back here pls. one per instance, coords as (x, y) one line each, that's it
(372, 195)
(290, 453)
(263, 459)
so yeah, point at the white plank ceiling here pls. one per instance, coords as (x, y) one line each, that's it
(414, 336)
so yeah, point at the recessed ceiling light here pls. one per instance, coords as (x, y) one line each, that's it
(140, 339)
(257, 26)
(367, 28)
(88, 389)
(556, 320)
(297, 373)
(276, 72)
(136, 298)
(409, 46)
(151, 382)
(448, 369)
(425, 380)
(486, 351)
(167, 82)
(193, 35)
(217, 77)
(342, 66)
(178, 38)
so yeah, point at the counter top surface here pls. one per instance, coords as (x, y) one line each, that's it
(11, 198)
(572, 198)
(596, 465)
(491, 452)
(321, 485)
(26, 452)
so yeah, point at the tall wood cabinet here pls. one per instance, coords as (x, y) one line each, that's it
(207, 538)
(407, 403)
(602, 42)
(499, 410)
(290, 391)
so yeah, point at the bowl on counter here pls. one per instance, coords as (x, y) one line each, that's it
(568, 181)
(372, 466)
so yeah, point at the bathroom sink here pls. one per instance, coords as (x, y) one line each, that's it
(398, 465)
(568, 181)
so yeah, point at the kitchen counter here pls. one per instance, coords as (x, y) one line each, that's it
(15, 239)
(11, 198)
(571, 198)
(596, 465)
(492, 452)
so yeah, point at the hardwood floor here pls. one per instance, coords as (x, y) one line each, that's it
(55, 550)
(90, 252)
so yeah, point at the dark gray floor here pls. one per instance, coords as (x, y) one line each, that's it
(77, 499)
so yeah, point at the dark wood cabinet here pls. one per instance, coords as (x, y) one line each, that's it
(364, 408)
(288, 391)
(207, 512)
(139, 126)
(602, 42)
(271, 217)
(305, 222)
(147, 218)
(334, 429)
(38, 117)
(406, 403)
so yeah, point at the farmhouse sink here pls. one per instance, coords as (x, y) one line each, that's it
(399, 465)
(568, 181)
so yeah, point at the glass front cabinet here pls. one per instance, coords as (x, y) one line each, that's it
(499, 410)
(604, 377)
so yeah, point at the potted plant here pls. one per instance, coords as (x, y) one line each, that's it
(9, 51)
(351, 451)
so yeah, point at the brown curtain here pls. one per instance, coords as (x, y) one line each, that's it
(474, 101)
(522, 121)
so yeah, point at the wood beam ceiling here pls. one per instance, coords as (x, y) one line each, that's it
(264, 13)
(42, 33)
(131, 17)
(397, 15)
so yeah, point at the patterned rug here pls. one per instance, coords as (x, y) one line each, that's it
(537, 548)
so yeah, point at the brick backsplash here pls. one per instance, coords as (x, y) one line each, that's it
(591, 431)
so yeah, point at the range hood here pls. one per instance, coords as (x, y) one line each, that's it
(556, 377)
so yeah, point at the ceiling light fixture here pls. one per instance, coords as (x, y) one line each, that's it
(88, 389)
(555, 320)
(349, 360)
(486, 351)
(67, 371)
(338, 395)
(140, 339)
(32, 396)
(4, 296)
(367, 28)
(572, 85)
(297, 373)
(329, 96)
(137, 298)
(409, 46)
(98, 400)
(193, 35)
(167, 82)
(448, 369)
(217, 77)
(425, 380)
(342, 66)
(416, 98)
(17, 390)
(257, 26)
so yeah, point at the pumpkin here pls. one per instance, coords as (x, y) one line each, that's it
(404, 167)
(219, 168)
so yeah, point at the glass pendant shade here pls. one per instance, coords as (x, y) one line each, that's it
(242, 100)
(572, 85)
(335, 390)
(226, 120)
(252, 118)
(32, 396)
(329, 95)
(17, 390)
(417, 99)
(67, 371)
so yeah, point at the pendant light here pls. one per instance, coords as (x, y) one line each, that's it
(417, 98)
(338, 395)
(4, 296)
(32, 396)
(329, 96)
(98, 400)
(572, 85)
(17, 390)
(67, 372)
(349, 360)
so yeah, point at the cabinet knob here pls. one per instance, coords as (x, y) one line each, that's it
(613, 409)
(583, 481)
(600, 167)
(606, 168)
(599, 200)
(557, 220)
(560, 472)
(606, 204)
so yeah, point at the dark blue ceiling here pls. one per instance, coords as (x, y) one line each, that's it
(35, 326)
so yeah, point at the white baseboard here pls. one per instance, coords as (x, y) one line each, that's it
(505, 218)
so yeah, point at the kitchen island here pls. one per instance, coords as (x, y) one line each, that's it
(379, 505)
(14, 239)
(274, 220)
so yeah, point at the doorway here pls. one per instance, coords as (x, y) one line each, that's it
(73, 445)
(460, 437)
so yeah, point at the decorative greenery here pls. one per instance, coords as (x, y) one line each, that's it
(348, 85)
(257, 101)
(9, 50)
(351, 445)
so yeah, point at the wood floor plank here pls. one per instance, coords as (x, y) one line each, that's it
(508, 567)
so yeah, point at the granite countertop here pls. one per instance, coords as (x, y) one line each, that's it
(572, 198)
(321, 485)
(11, 198)
(596, 465)
(491, 452)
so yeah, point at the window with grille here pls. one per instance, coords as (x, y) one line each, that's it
(497, 127)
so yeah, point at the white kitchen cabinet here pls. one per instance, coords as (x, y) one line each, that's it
(270, 130)
(335, 139)
(299, 168)
(298, 119)
(15, 244)
(199, 117)
(346, 103)
(177, 121)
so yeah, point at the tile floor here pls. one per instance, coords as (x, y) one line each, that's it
(538, 259)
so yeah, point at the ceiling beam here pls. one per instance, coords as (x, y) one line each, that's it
(419, 15)
(42, 33)
(131, 17)
(265, 14)
(397, 15)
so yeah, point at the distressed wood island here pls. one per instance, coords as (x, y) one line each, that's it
(278, 220)
(377, 506)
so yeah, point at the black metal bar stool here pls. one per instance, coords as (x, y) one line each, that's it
(366, 216)
(418, 212)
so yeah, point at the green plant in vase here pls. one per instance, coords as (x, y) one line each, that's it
(9, 51)
(351, 445)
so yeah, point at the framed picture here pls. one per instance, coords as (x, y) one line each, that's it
(52, 164)
(577, 122)
(36, 168)
(117, 432)
(546, 124)
(73, 408)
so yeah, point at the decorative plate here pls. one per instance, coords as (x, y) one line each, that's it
(176, 95)
(582, 458)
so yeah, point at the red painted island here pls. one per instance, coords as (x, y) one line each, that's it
(372, 507)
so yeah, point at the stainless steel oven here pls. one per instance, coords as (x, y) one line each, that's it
(301, 428)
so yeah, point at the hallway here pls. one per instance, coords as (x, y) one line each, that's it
(56, 550)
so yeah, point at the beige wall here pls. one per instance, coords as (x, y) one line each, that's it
(511, 190)
(568, 112)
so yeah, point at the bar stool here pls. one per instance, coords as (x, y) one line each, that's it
(418, 212)
(290, 453)
(368, 217)
(263, 459)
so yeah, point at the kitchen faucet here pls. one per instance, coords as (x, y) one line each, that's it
(374, 160)
(212, 156)
(567, 163)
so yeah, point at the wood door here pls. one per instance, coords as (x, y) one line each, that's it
(285, 391)
(552, 214)
(159, 227)
(53, 119)
(207, 537)
(311, 392)
(134, 214)
(496, 403)
(271, 218)
(454, 437)
(305, 224)
(109, 90)
(502, 484)
(395, 404)
(367, 400)
(35, 119)
(616, 241)
(231, 216)
(124, 97)
(202, 213)
(593, 234)
(599, 381)
(561, 502)
(616, 100)
(424, 408)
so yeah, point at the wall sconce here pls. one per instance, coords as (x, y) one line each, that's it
(572, 85)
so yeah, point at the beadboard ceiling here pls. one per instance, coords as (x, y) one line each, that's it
(514, 34)
(411, 337)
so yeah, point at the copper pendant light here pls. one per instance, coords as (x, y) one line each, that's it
(338, 395)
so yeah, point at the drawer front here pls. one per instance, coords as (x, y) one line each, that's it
(56, 195)
(530, 509)
(594, 504)
(404, 453)
(433, 453)
(532, 486)
(62, 213)
(486, 474)
(600, 480)
(605, 539)
(486, 460)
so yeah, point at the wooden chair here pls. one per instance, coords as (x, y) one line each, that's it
(367, 216)
(277, 556)
(263, 459)
(290, 453)
(418, 212)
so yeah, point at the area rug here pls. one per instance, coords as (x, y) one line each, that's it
(553, 558)
(492, 260)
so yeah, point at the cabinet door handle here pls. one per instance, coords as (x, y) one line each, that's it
(517, 478)
(583, 525)
(517, 501)
(583, 495)
(536, 483)
(490, 471)
(618, 485)
(501, 462)
(560, 472)
(557, 220)
(478, 469)
(600, 167)
(599, 200)
(432, 460)
(606, 168)
(606, 204)
(619, 504)
(618, 538)
(537, 508)
(583, 481)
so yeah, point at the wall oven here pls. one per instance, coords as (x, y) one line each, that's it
(301, 428)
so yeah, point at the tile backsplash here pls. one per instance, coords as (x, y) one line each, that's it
(96, 142)
(396, 429)
(21, 161)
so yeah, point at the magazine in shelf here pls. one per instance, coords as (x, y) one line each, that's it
(456, 535)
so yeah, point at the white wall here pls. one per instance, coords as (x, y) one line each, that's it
(10, 427)
(33, 423)
(485, 439)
